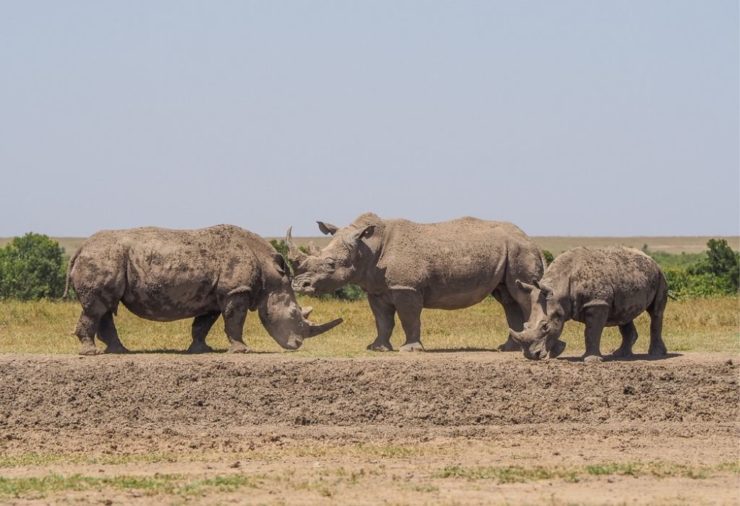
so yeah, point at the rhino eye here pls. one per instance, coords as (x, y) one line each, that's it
(331, 264)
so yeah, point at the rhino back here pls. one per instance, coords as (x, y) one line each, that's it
(467, 256)
(625, 278)
(165, 274)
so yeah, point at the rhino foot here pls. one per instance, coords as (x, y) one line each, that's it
(622, 353)
(379, 346)
(237, 347)
(593, 359)
(557, 349)
(658, 351)
(89, 351)
(198, 347)
(118, 350)
(412, 347)
(509, 345)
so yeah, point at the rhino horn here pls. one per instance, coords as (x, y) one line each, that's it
(306, 311)
(516, 336)
(315, 330)
(295, 255)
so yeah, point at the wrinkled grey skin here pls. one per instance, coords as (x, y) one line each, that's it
(167, 275)
(405, 266)
(600, 287)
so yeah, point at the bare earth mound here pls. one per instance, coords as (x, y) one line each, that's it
(436, 427)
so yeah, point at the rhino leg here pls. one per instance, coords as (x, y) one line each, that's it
(514, 317)
(385, 320)
(408, 305)
(201, 326)
(108, 334)
(235, 314)
(629, 337)
(596, 317)
(86, 328)
(656, 310)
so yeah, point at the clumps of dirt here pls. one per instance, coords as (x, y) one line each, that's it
(163, 397)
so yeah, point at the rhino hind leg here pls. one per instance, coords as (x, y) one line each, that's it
(85, 331)
(514, 317)
(108, 334)
(235, 314)
(656, 310)
(201, 326)
(629, 337)
(409, 304)
(385, 320)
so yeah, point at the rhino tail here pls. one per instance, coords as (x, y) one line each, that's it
(69, 273)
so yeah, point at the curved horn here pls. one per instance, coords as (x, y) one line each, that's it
(315, 330)
(306, 311)
(295, 255)
(516, 336)
(525, 286)
(545, 289)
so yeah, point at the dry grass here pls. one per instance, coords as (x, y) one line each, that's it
(45, 327)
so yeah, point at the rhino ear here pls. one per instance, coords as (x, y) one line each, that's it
(327, 228)
(360, 234)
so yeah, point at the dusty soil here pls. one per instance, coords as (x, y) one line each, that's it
(426, 428)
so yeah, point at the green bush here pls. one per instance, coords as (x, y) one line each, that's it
(714, 272)
(32, 267)
(549, 257)
(722, 263)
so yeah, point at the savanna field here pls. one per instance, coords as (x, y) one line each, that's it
(333, 423)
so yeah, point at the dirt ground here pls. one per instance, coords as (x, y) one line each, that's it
(433, 428)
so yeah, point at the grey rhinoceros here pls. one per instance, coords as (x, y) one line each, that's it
(165, 275)
(405, 266)
(599, 287)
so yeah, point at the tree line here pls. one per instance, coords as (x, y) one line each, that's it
(34, 267)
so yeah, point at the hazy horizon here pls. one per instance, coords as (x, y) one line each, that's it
(573, 118)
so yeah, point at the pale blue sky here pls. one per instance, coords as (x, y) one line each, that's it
(567, 118)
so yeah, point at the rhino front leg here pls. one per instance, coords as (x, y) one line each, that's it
(596, 316)
(108, 334)
(408, 305)
(629, 337)
(514, 317)
(201, 326)
(235, 314)
(385, 320)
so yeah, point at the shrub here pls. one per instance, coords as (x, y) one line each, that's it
(32, 267)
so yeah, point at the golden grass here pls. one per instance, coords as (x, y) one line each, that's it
(45, 327)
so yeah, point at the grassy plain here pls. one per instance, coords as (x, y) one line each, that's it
(711, 324)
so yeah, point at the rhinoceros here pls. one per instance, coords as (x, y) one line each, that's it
(600, 287)
(405, 266)
(165, 275)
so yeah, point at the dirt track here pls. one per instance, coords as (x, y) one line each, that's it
(463, 409)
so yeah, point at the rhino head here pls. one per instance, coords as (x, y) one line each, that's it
(352, 250)
(281, 315)
(540, 336)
